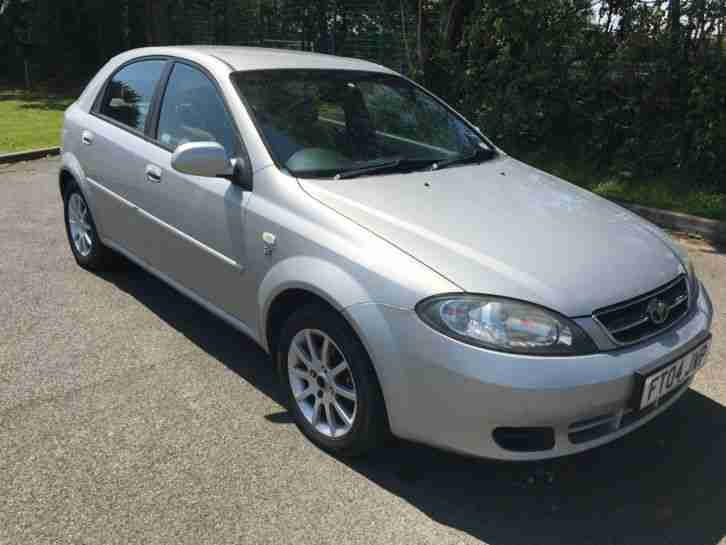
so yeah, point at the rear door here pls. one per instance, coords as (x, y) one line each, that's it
(199, 220)
(114, 152)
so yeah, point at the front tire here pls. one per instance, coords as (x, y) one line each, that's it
(83, 238)
(330, 385)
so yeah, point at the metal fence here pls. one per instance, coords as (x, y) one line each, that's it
(62, 46)
(378, 30)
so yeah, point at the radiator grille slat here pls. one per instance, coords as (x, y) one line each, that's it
(630, 321)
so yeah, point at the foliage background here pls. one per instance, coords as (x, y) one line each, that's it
(625, 88)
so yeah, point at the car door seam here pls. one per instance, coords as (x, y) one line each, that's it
(111, 193)
(192, 294)
(192, 240)
(171, 228)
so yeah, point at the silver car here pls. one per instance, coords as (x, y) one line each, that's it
(405, 275)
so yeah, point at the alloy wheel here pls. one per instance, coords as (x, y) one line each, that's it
(79, 224)
(322, 383)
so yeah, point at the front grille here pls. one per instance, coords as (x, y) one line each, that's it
(630, 322)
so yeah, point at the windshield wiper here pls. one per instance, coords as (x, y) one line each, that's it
(382, 166)
(477, 156)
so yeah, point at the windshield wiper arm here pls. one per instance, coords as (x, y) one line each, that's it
(398, 162)
(362, 171)
(478, 155)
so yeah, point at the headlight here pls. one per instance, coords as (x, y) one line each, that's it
(504, 324)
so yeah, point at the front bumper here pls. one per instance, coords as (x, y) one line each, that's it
(453, 395)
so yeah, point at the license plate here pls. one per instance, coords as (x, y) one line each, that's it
(666, 379)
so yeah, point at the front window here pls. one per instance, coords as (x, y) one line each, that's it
(326, 123)
(193, 111)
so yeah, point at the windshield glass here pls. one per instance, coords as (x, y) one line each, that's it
(323, 123)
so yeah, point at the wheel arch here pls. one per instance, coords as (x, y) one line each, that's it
(71, 171)
(65, 178)
(293, 298)
(302, 278)
(283, 305)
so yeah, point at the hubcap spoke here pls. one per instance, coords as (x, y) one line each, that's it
(310, 345)
(302, 356)
(326, 397)
(325, 352)
(316, 412)
(343, 415)
(331, 420)
(342, 366)
(299, 373)
(345, 392)
(306, 393)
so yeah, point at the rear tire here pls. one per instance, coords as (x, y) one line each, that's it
(335, 381)
(87, 248)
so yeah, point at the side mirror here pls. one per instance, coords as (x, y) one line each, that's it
(242, 173)
(202, 159)
(210, 159)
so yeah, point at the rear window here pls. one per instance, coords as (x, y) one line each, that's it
(129, 93)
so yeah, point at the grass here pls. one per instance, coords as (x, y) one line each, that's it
(666, 192)
(30, 120)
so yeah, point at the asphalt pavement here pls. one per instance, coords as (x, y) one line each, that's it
(128, 415)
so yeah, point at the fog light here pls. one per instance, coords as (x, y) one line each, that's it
(525, 439)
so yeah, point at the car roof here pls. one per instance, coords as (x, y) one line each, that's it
(240, 58)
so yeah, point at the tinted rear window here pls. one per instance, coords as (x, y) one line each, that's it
(128, 95)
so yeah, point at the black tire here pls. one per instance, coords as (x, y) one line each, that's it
(100, 257)
(370, 425)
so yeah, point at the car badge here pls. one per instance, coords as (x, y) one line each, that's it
(657, 311)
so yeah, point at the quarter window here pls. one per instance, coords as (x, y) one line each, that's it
(129, 93)
(193, 111)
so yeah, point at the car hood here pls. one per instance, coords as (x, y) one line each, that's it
(505, 228)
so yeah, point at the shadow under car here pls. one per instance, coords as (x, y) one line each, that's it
(664, 483)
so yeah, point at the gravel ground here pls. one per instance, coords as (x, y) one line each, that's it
(130, 415)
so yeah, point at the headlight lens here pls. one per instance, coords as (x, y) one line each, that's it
(504, 324)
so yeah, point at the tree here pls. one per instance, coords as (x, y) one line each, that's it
(637, 85)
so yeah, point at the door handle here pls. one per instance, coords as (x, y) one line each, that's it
(87, 138)
(153, 174)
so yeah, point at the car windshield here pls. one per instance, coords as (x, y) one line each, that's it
(343, 123)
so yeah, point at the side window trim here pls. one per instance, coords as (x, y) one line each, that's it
(103, 94)
(241, 149)
(258, 127)
(152, 121)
